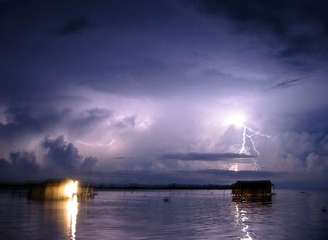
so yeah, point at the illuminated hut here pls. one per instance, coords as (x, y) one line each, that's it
(252, 190)
(55, 190)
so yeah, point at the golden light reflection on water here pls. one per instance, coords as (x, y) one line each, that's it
(241, 219)
(72, 208)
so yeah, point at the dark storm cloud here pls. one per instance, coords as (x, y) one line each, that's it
(19, 166)
(87, 120)
(124, 54)
(24, 161)
(63, 155)
(88, 164)
(73, 26)
(314, 121)
(301, 25)
(275, 15)
(114, 58)
(90, 119)
(23, 121)
(62, 159)
(27, 43)
(194, 156)
(287, 84)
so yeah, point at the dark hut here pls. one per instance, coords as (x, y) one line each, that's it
(249, 190)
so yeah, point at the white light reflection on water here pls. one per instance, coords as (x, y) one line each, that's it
(71, 215)
(242, 219)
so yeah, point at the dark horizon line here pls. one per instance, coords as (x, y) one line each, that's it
(129, 186)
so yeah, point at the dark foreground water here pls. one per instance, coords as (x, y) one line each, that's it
(188, 215)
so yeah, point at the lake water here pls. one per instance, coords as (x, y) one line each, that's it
(188, 215)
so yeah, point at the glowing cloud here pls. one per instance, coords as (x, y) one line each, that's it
(236, 119)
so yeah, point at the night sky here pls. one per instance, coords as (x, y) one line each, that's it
(140, 91)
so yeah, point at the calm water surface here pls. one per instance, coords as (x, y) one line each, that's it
(188, 215)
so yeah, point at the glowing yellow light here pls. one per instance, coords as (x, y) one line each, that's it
(237, 119)
(71, 188)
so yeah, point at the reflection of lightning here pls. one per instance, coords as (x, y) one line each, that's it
(242, 220)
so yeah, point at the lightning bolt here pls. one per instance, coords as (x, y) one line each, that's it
(248, 134)
(248, 146)
(243, 145)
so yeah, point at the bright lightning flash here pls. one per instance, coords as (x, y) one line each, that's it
(238, 120)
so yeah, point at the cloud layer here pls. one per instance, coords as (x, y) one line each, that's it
(194, 156)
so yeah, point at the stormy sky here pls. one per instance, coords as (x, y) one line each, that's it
(138, 91)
